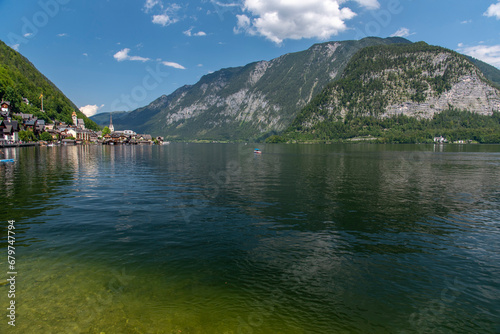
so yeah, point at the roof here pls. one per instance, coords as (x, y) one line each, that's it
(7, 129)
(26, 116)
(13, 125)
(5, 102)
(82, 130)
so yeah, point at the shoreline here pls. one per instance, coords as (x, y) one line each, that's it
(18, 145)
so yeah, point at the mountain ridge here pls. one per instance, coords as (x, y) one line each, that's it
(413, 88)
(264, 98)
(251, 101)
(19, 79)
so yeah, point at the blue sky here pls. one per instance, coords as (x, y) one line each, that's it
(121, 55)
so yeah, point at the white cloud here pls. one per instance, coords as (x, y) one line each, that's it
(86, 54)
(466, 22)
(402, 32)
(190, 33)
(150, 4)
(123, 55)
(62, 35)
(242, 24)
(488, 54)
(493, 11)
(225, 4)
(90, 110)
(370, 4)
(278, 20)
(162, 15)
(27, 35)
(163, 20)
(174, 65)
(15, 46)
(137, 58)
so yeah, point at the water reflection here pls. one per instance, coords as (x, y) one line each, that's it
(351, 185)
(300, 239)
(31, 186)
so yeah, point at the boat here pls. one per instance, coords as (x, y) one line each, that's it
(257, 151)
(6, 160)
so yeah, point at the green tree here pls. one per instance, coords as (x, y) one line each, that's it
(275, 139)
(45, 136)
(106, 131)
(27, 136)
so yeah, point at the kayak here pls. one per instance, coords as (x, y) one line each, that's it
(6, 160)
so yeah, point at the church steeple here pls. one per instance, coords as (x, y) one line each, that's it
(75, 118)
(111, 127)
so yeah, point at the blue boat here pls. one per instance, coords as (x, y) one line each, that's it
(6, 160)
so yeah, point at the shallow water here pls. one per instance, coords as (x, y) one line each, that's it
(210, 238)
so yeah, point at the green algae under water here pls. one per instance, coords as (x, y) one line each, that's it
(214, 239)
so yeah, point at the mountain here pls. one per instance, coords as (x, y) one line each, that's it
(20, 79)
(248, 102)
(103, 119)
(383, 87)
(490, 72)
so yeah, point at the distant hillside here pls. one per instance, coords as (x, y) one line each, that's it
(248, 102)
(490, 72)
(102, 119)
(385, 86)
(20, 79)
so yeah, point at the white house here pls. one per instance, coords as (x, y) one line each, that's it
(440, 139)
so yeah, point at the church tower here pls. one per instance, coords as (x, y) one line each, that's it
(75, 119)
(111, 127)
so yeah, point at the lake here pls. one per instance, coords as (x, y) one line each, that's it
(211, 238)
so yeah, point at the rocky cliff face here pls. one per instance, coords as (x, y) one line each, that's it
(415, 80)
(471, 93)
(248, 102)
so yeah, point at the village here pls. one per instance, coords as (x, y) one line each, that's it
(18, 129)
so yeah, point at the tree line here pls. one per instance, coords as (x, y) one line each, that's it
(453, 124)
